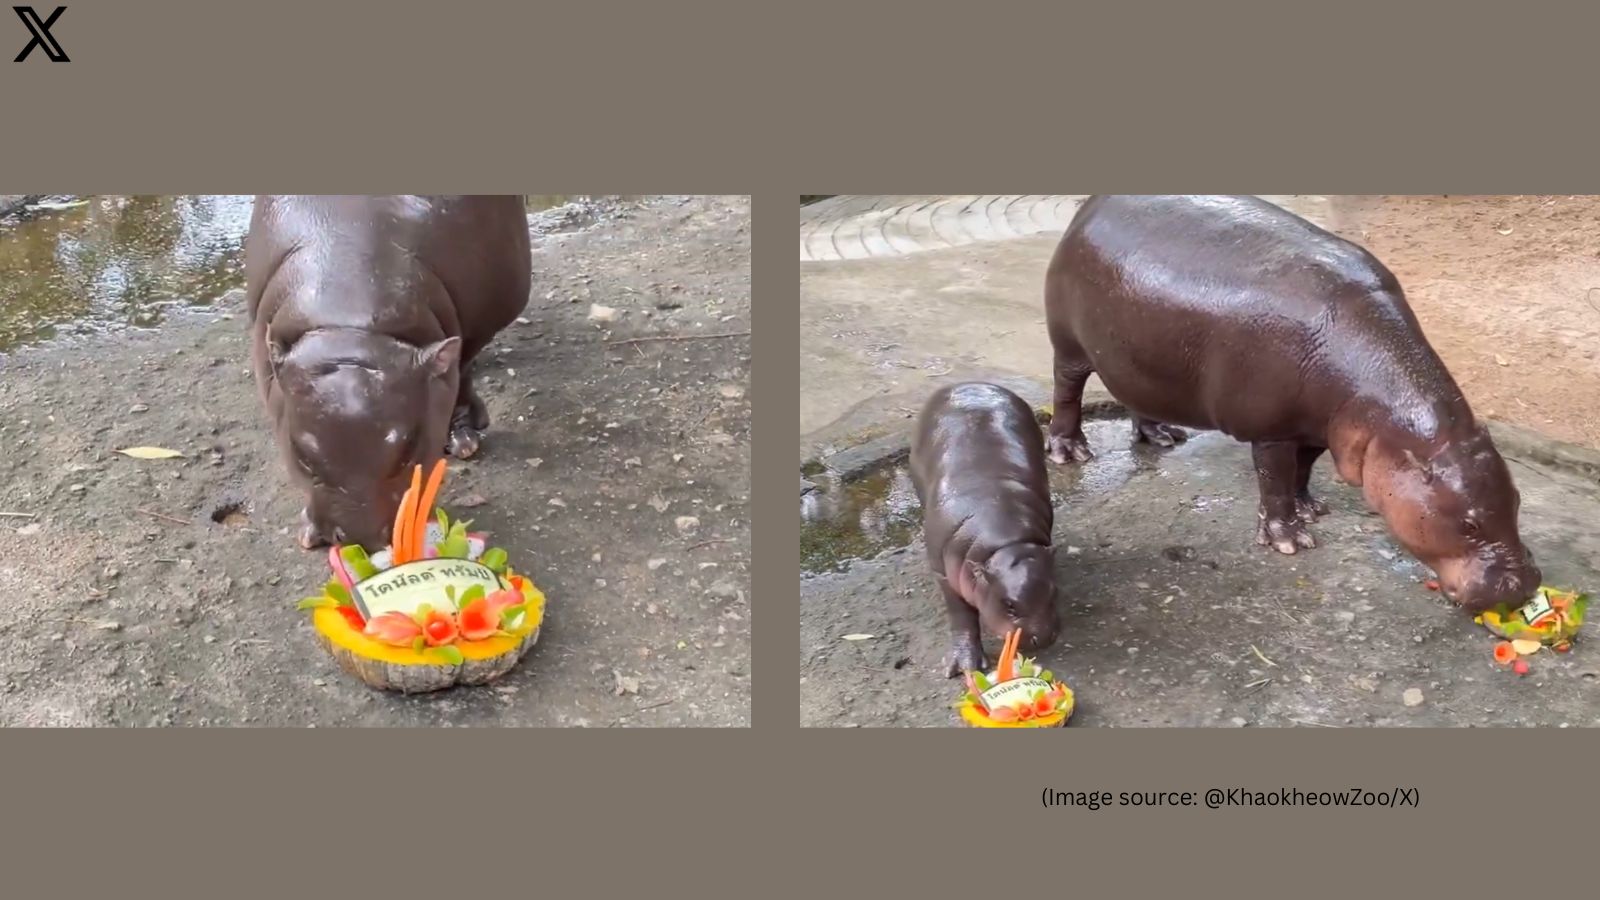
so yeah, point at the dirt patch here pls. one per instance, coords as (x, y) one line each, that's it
(1507, 290)
(162, 592)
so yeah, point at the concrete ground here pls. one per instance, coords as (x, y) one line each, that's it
(1169, 607)
(615, 473)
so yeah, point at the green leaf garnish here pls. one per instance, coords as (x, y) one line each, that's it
(979, 679)
(450, 591)
(1047, 675)
(495, 560)
(356, 560)
(451, 654)
(315, 603)
(511, 617)
(419, 643)
(455, 543)
(469, 595)
(340, 596)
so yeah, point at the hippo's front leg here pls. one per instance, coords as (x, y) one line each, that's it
(966, 638)
(1277, 472)
(469, 420)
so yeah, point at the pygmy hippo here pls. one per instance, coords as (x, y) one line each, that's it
(365, 316)
(1232, 314)
(977, 461)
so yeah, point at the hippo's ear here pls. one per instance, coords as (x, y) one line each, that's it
(977, 573)
(1420, 466)
(441, 357)
(277, 351)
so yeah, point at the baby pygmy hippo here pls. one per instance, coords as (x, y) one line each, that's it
(366, 313)
(978, 464)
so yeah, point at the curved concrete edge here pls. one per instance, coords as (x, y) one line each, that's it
(1516, 441)
(847, 227)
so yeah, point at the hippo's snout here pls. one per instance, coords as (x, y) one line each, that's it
(1483, 587)
(1039, 633)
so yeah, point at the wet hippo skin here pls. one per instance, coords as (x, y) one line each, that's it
(977, 461)
(366, 313)
(1232, 314)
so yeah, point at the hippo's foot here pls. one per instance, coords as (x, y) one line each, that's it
(1066, 448)
(467, 425)
(1309, 508)
(965, 656)
(1284, 535)
(464, 441)
(310, 536)
(1160, 434)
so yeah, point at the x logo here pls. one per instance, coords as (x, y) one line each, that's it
(41, 34)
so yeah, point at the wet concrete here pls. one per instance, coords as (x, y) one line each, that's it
(1172, 616)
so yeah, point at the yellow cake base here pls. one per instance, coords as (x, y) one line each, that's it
(387, 667)
(974, 716)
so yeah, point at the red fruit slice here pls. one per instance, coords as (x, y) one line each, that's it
(1003, 714)
(353, 616)
(1520, 667)
(476, 621)
(439, 629)
(1044, 706)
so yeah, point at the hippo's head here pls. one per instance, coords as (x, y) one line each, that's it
(1016, 588)
(359, 411)
(1454, 507)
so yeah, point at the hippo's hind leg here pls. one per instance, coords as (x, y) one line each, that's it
(1309, 507)
(1277, 471)
(469, 420)
(966, 638)
(1066, 441)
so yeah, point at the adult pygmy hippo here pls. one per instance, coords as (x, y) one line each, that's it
(977, 461)
(1230, 313)
(365, 316)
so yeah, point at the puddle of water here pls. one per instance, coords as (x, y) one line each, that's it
(861, 519)
(88, 264)
(858, 520)
(114, 261)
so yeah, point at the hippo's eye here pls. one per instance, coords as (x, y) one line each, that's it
(1470, 526)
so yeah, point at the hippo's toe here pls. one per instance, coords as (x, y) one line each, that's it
(1310, 508)
(965, 657)
(1284, 535)
(1158, 433)
(464, 442)
(1065, 448)
(311, 536)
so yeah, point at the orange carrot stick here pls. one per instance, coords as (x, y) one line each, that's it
(398, 534)
(419, 531)
(408, 506)
(411, 513)
(1007, 651)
